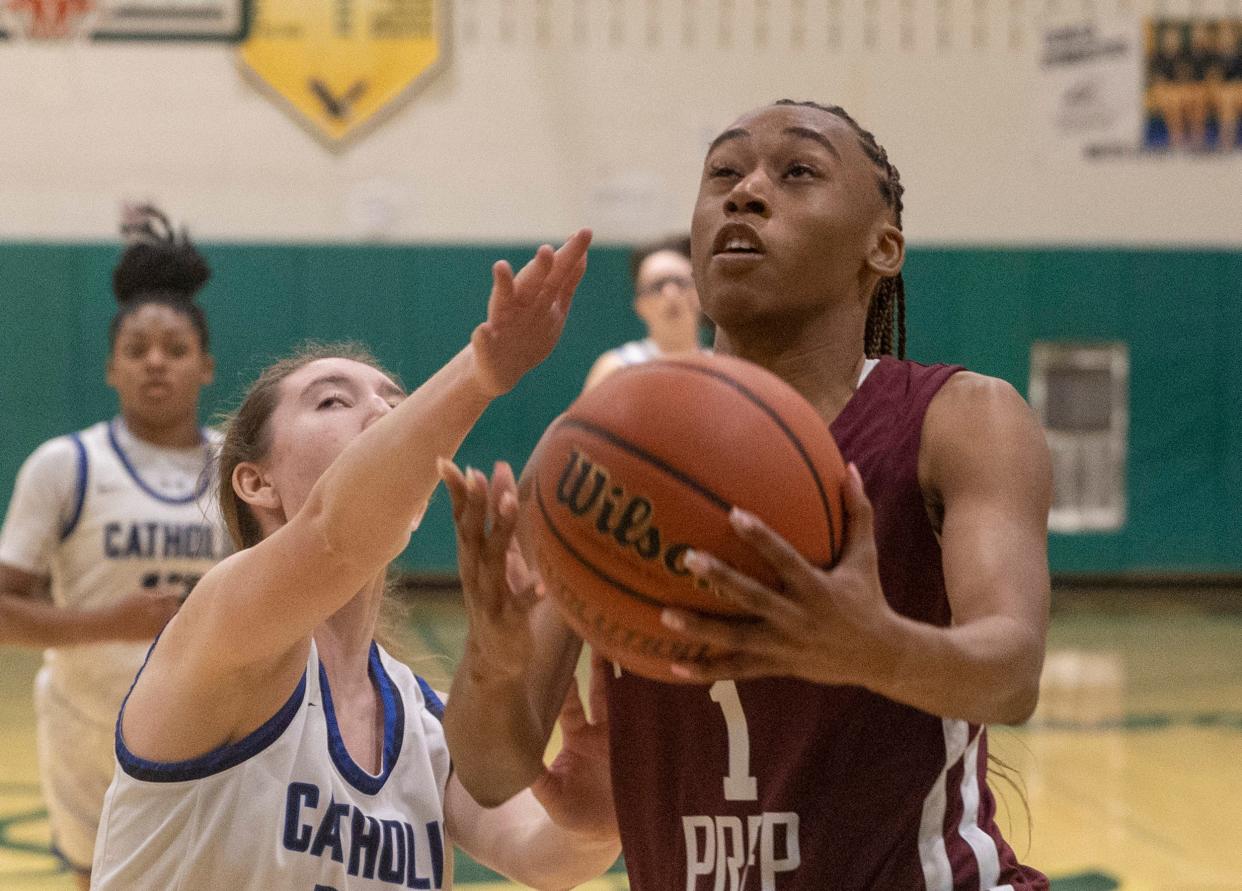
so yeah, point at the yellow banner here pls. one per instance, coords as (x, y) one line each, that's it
(340, 63)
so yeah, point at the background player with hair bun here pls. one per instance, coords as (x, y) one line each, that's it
(269, 741)
(115, 520)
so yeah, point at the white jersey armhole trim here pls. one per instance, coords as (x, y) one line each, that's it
(213, 762)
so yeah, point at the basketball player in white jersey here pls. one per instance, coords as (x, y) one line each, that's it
(114, 518)
(269, 742)
(667, 302)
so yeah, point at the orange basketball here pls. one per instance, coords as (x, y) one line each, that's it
(647, 465)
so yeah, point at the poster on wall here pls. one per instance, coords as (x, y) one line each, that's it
(339, 65)
(1193, 86)
(66, 20)
(1141, 87)
(1089, 89)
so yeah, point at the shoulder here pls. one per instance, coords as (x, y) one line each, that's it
(907, 386)
(605, 365)
(609, 360)
(976, 427)
(972, 408)
(969, 392)
(55, 459)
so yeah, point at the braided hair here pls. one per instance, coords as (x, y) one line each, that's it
(160, 266)
(886, 315)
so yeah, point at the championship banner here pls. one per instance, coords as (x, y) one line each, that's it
(338, 64)
(66, 20)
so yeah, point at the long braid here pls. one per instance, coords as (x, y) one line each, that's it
(886, 316)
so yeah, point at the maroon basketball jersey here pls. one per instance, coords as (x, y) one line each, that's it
(783, 784)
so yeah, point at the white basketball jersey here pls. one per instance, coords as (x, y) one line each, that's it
(144, 516)
(286, 807)
(637, 352)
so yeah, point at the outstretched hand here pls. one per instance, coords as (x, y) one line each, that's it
(576, 788)
(526, 313)
(822, 626)
(498, 587)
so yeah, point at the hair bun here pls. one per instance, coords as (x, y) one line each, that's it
(157, 259)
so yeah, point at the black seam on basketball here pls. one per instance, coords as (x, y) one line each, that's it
(779, 421)
(640, 452)
(573, 552)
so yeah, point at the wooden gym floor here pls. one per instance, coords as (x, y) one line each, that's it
(1132, 767)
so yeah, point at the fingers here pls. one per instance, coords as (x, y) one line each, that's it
(468, 519)
(730, 635)
(553, 275)
(525, 583)
(468, 491)
(573, 716)
(533, 276)
(474, 511)
(502, 511)
(455, 482)
(570, 256)
(485, 516)
(570, 266)
(737, 588)
(733, 667)
(779, 553)
(502, 286)
(859, 515)
(565, 298)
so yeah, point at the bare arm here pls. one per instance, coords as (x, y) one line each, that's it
(561, 832)
(605, 365)
(984, 459)
(500, 729)
(265, 599)
(27, 619)
(247, 628)
(519, 840)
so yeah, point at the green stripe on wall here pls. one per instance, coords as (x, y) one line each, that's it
(1180, 311)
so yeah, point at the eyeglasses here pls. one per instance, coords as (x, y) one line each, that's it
(680, 282)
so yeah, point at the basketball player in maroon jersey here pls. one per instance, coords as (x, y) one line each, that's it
(841, 742)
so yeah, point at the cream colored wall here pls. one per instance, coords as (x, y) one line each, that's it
(557, 113)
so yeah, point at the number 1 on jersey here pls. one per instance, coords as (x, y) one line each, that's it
(738, 784)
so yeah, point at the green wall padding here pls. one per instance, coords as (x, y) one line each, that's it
(1180, 312)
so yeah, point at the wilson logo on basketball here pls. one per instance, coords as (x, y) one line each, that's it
(586, 489)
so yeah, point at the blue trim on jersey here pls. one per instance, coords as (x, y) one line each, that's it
(434, 705)
(216, 761)
(394, 729)
(80, 497)
(205, 476)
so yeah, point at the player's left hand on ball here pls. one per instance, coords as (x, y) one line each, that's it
(818, 627)
(526, 313)
(498, 587)
(576, 788)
